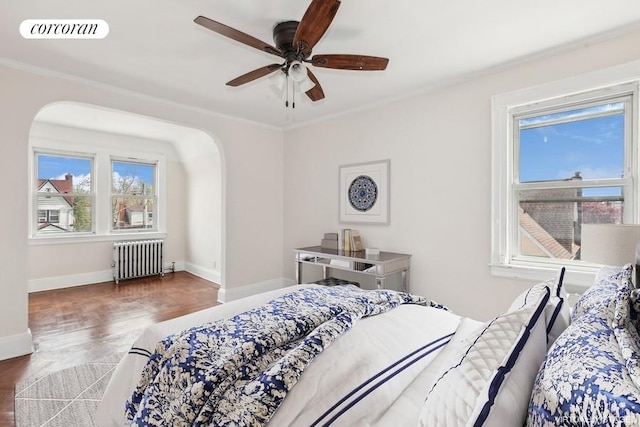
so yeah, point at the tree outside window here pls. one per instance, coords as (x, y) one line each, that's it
(133, 195)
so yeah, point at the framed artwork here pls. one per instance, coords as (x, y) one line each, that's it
(364, 192)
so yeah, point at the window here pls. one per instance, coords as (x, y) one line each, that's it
(560, 163)
(570, 171)
(95, 195)
(48, 216)
(133, 198)
(63, 194)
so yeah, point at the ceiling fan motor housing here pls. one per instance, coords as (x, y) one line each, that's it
(283, 34)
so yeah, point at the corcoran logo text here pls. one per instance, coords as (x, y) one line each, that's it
(64, 29)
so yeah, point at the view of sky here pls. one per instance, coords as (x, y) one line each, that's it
(56, 167)
(593, 146)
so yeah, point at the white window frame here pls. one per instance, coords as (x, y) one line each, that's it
(34, 219)
(101, 185)
(617, 80)
(53, 213)
(155, 197)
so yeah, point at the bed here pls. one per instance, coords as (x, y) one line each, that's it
(312, 355)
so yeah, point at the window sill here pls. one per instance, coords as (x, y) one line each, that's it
(577, 279)
(92, 238)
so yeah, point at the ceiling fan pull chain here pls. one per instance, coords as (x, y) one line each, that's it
(286, 102)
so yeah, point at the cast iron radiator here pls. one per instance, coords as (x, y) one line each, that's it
(137, 258)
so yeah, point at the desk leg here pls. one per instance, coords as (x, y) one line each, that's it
(405, 287)
(405, 280)
(298, 272)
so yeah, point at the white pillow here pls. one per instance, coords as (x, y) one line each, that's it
(560, 317)
(486, 377)
(557, 313)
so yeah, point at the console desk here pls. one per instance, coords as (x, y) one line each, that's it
(379, 266)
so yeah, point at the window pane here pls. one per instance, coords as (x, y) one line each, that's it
(64, 173)
(64, 194)
(550, 220)
(82, 209)
(132, 213)
(54, 216)
(130, 183)
(585, 143)
(134, 179)
(63, 214)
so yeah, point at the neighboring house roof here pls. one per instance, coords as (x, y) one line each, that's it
(542, 238)
(42, 226)
(62, 186)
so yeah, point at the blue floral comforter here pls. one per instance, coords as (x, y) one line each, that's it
(238, 370)
(591, 375)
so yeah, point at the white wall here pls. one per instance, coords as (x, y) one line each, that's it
(15, 122)
(203, 189)
(439, 144)
(252, 189)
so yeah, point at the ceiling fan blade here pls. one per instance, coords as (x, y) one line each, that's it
(236, 35)
(253, 75)
(314, 23)
(350, 62)
(315, 93)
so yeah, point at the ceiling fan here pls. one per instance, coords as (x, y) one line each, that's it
(294, 42)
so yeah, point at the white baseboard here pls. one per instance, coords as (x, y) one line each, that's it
(60, 282)
(50, 283)
(227, 295)
(16, 345)
(205, 273)
(224, 295)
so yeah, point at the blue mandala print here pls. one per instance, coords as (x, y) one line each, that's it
(363, 193)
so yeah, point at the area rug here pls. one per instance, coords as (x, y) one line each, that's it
(65, 398)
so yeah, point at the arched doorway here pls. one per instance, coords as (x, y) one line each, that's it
(192, 191)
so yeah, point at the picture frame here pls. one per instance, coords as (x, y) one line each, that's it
(364, 192)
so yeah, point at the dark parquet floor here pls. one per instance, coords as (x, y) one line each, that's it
(77, 325)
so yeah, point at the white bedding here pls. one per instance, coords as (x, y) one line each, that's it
(375, 374)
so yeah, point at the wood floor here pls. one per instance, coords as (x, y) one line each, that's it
(77, 325)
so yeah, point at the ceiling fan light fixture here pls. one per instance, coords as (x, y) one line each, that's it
(306, 84)
(297, 71)
(279, 80)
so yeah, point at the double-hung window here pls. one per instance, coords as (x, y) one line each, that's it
(133, 195)
(63, 194)
(558, 164)
(96, 195)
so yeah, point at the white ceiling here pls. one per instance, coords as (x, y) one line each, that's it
(155, 48)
